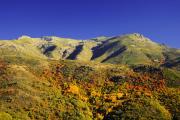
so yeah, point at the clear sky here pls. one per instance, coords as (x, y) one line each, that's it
(83, 19)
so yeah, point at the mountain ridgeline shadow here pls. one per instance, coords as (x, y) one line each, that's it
(172, 63)
(116, 53)
(101, 49)
(49, 49)
(74, 54)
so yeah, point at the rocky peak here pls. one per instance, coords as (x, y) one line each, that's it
(24, 37)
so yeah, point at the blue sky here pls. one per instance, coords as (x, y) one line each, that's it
(83, 19)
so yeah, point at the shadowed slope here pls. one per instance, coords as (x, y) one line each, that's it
(173, 64)
(74, 54)
(98, 51)
(116, 53)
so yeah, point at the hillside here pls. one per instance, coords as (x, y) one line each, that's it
(50, 89)
(105, 78)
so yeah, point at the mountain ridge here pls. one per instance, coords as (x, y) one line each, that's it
(130, 49)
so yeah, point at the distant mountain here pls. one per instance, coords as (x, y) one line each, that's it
(129, 49)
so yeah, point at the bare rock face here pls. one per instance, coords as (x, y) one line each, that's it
(101, 38)
(24, 37)
(46, 38)
(139, 35)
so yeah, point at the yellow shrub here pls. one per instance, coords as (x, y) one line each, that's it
(83, 98)
(94, 93)
(5, 116)
(113, 98)
(73, 89)
(119, 95)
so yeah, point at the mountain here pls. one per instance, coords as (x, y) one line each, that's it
(104, 78)
(131, 49)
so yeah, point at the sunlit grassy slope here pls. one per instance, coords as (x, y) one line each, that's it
(127, 49)
(130, 49)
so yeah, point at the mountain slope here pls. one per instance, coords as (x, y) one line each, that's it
(129, 49)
